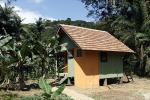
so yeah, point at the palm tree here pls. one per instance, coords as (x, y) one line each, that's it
(44, 45)
(9, 21)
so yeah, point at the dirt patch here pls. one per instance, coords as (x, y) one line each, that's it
(27, 93)
(137, 90)
(117, 95)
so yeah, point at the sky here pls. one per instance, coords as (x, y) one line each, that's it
(31, 10)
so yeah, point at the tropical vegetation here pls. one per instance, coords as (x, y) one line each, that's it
(129, 21)
(28, 51)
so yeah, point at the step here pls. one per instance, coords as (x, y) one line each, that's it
(63, 79)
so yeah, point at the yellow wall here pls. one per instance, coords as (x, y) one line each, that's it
(87, 70)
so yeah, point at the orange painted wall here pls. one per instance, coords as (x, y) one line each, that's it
(87, 70)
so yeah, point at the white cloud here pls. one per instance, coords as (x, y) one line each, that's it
(2, 3)
(37, 1)
(28, 16)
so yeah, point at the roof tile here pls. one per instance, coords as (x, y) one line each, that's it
(91, 39)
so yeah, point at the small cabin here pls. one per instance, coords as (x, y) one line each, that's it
(90, 55)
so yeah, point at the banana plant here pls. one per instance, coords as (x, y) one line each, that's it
(22, 47)
(13, 56)
(26, 50)
(48, 94)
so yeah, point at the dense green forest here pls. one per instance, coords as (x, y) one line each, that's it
(129, 21)
(27, 51)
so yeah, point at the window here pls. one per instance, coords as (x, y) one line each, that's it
(104, 57)
(79, 53)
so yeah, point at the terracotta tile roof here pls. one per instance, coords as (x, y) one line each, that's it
(90, 39)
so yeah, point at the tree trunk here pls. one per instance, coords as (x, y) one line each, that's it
(142, 67)
(21, 78)
(43, 68)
